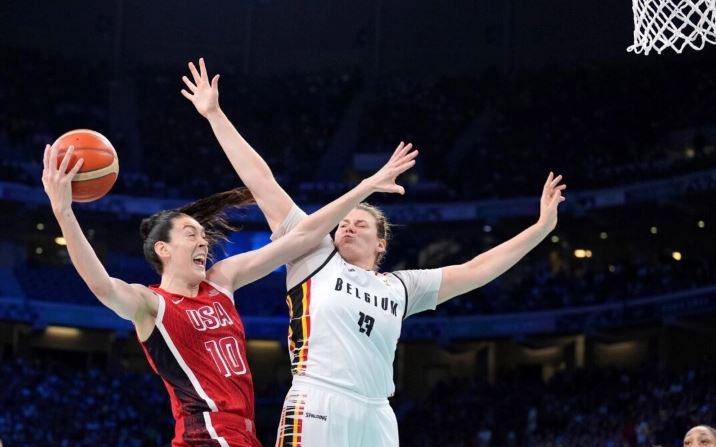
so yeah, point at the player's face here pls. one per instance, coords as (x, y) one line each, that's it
(357, 239)
(187, 250)
(699, 437)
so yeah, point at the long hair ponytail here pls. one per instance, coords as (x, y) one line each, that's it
(210, 212)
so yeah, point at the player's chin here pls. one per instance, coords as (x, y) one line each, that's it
(348, 250)
(199, 272)
(344, 244)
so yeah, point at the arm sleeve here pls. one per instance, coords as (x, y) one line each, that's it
(422, 287)
(299, 269)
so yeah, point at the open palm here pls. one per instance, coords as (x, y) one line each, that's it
(402, 159)
(202, 93)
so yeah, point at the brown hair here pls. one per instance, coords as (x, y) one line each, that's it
(383, 226)
(210, 212)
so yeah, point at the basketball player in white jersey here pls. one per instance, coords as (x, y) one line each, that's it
(345, 315)
(188, 326)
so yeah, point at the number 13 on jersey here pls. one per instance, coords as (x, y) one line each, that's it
(365, 323)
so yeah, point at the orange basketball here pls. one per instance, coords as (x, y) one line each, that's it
(100, 168)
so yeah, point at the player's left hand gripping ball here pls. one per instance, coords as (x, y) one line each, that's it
(101, 165)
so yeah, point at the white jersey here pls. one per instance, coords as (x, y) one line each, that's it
(345, 321)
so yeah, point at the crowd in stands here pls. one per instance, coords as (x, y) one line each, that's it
(47, 403)
(43, 97)
(622, 267)
(486, 135)
(290, 119)
(629, 263)
(59, 401)
(586, 408)
(50, 404)
(548, 279)
(599, 127)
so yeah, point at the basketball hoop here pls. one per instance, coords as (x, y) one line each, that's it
(675, 24)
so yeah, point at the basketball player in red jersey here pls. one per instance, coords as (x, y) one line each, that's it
(188, 325)
(346, 316)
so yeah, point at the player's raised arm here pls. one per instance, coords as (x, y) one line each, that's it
(247, 267)
(459, 279)
(124, 299)
(253, 171)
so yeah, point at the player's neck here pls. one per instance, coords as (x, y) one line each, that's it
(366, 264)
(177, 286)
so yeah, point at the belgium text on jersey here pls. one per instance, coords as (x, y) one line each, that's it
(384, 303)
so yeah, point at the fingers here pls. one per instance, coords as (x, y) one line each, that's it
(396, 152)
(556, 199)
(194, 72)
(401, 151)
(190, 85)
(75, 169)
(555, 181)
(202, 67)
(66, 159)
(408, 160)
(200, 78)
(405, 147)
(46, 157)
(52, 165)
(404, 158)
(52, 172)
(200, 74)
(552, 181)
(410, 156)
(399, 169)
(550, 177)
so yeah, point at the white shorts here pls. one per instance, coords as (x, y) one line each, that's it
(320, 415)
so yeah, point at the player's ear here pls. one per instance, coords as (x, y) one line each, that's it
(382, 245)
(162, 250)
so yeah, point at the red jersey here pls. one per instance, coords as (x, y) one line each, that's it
(198, 348)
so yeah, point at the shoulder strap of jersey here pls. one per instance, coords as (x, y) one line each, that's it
(333, 253)
(405, 311)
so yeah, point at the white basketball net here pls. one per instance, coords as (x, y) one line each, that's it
(660, 24)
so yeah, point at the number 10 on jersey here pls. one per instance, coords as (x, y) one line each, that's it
(227, 356)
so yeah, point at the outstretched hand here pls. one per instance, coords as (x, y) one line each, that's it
(551, 198)
(384, 180)
(204, 94)
(56, 180)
